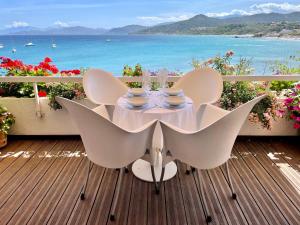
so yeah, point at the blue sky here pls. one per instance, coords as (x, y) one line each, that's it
(115, 13)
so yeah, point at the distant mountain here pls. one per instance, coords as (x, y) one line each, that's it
(18, 29)
(127, 29)
(185, 26)
(264, 18)
(203, 24)
(78, 30)
(258, 25)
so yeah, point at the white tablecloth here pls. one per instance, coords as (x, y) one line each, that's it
(131, 119)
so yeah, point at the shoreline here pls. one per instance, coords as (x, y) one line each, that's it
(237, 36)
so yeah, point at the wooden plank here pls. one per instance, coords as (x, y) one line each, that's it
(64, 208)
(101, 209)
(43, 213)
(13, 181)
(32, 183)
(82, 209)
(50, 189)
(122, 209)
(194, 211)
(157, 212)
(45, 190)
(282, 173)
(288, 152)
(14, 161)
(176, 212)
(138, 203)
(269, 209)
(288, 210)
(11, 152)
(250, 208)
(212, 200)
(231, 208)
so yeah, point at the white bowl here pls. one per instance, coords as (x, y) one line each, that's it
(137, 91)
(137, 101)
(172, 91)
(175, 100)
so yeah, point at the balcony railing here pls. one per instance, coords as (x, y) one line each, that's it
(78, 79)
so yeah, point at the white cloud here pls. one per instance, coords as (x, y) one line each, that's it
(231, 13)
(61, 24)
(17, 24)
(260, 8)
(163, 19)
(271, 7)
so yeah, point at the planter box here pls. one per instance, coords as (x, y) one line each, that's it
(59, 123)
(53, 122)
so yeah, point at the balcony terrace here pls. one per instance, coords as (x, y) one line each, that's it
(41, 179)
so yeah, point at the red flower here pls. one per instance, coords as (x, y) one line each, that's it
(70, 72)
(42, 93)
(229, 53)
(47, 60)
(297, 125)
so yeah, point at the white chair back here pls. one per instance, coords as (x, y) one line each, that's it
(211, 146)
(203, 85)
(105, 143)
(102, 87)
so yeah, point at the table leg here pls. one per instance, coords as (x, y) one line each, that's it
(142, 169)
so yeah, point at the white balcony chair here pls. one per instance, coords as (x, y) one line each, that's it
(208, 147)
(203, 86)
(106, 144)
(102, 87)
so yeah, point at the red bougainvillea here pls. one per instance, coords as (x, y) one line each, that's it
(18, 68)
(44, 68)
(70, 72)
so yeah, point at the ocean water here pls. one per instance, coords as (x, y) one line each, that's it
(153, 52)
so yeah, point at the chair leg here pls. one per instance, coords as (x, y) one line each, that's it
(188, 169)
(233, 194)
(126, 169)
(117, 193)
(82, 194)
(202, 195)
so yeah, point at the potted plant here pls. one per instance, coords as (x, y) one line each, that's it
(6, 121)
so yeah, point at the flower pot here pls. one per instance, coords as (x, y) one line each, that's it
(3, 139)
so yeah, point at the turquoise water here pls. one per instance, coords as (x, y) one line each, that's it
(111, 53)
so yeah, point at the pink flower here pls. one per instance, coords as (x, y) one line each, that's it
(298, 87)
(298, 119)
(288, 101)
(296, 108)
(280, 112)
(229, 53)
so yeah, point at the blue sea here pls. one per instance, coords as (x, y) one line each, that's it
(153, 52)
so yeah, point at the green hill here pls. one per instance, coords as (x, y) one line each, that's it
(254, 24)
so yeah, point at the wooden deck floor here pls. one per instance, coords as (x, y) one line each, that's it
(40, 183)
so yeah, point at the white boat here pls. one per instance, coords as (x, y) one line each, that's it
(108, 40)
(14, 50)
(29, 44)
(1, 46)
(53, 45)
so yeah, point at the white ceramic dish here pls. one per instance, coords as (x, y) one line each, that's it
(175, 100)
(137, 101)
(137, 91)
(172, 91)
